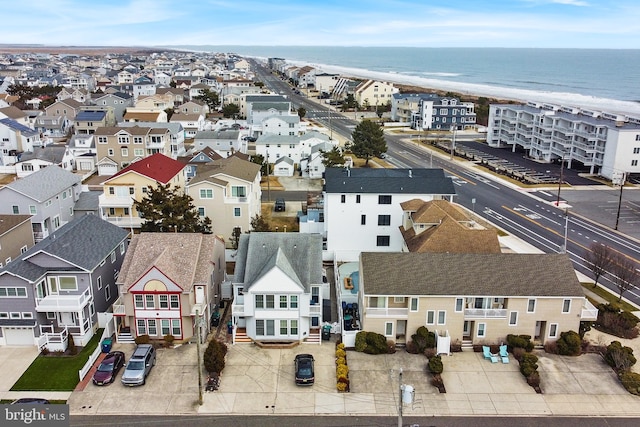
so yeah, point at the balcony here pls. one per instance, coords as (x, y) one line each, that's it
(396, 313)
(118, 307)
(589, 311)
(63, 303)
(237, 309)
(112, 201)
(51, 340)
(485, 313)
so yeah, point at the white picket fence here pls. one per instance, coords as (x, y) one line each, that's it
(106, 333)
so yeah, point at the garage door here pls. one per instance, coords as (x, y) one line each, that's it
(18, 336)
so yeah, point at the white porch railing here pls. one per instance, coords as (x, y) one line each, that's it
(484, 313)
(53, 341)
(60, 303)
(589, 311)
(118, 307)
(387, 312)
(237, 309)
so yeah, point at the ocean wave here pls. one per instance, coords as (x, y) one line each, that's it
(499, 90)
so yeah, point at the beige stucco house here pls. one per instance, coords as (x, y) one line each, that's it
(228, 192)
(371, 93)
(471, 298)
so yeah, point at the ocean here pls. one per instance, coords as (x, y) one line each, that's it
(589, 78)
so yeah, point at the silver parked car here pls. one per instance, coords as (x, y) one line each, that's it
(139, 366)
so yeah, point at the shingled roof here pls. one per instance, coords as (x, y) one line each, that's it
(540, 275)
(45, 183)
(157, 167)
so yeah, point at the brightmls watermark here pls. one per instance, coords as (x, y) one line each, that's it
(35, 415)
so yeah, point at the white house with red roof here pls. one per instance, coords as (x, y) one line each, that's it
(132, 184)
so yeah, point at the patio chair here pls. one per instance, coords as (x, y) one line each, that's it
(486, 352)
(503, 353)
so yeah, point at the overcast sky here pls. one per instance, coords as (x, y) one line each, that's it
(423, 23)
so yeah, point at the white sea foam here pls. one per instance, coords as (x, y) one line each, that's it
(523, 95)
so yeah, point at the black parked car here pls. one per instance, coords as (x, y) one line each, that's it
(109, 368)
(30, 401)
(280, 205)
(304, 369)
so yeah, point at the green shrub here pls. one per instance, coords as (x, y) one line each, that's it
(569, 344)
(422, 331)
(435, 365)
(361, 341)
(520, 341)
(143, 339)
(534, 379)
(423, 339)
(71, 346)
(391, 347)
(616, 322)
(619, 357)
(411, 347)
(214, 356)
(518, 352)
(631, 382)
(528, 364)
(371, 343)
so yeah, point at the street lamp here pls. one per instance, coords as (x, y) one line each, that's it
(561, 178)
(621, 180)
(566, 231)
(453, 141)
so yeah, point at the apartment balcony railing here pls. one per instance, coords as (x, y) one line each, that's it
(485, 313)
(387, 312)
(63, 303)
(118, 307)
(53, 341)
(589, 311)
(124, 221)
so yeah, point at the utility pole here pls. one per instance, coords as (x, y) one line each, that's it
(199, 361)
(622, 181)
(561, 178)
(566, 230)
(400, 403)
(268, 180)
(453, 141)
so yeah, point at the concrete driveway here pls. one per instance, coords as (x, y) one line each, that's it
(14, 361)
(171, 387)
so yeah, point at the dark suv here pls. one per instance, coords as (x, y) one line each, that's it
(280, 205)
(304, 369)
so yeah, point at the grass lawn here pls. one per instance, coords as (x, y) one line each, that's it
(53, 373)
(611, 298)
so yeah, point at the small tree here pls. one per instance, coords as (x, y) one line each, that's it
(170, 112)
(368, 141)
(235, 237)
(569, 344)
(259, 223)
(71, 346)
(165, 209)
(599, 258)
(214, 355)
(209, 98)
(625, 273)
(302, 112)
(332, 158)
(230, 110)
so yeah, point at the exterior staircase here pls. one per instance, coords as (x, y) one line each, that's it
(124, 336)
(314, 337)
(467, 345)
(241, 336)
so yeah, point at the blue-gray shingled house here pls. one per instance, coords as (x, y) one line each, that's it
(61, 285)
(49, 195)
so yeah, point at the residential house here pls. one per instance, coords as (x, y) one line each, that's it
(363, 209)
(51, 126)
(325, 82)
(80, 95)
(227, 190)
(15, 139)
(312, 166)
(193, 107)
(48, 195)
(118, 101)
(16, 236)
(444, 227)
(192, 123)
(83, 151)
(66, 110)
(224, 142)
(176, 132)
(278, 125)
(168, 282)
(278, 290)
(42, 157)
(14, 113)
(145, 116)
(471, 298)
(371, 93)
(87, 121)
(132, 183)
(436, 112)
(284, 166)
(62, 285)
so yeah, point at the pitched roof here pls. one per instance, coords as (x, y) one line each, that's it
(142, 116)
(84, 242)
(9, 222)
(385, 273)
(186, 258)
(18, 127)
(157, 167)
(297, 255)
(45, 183)
(12, 112)
(231, 166)
(388, 181)
(90, 115)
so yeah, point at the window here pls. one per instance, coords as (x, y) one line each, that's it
(151, 323)
(636, 150)
(270, 301)
(139, 303)
(32, 210)
(384, 200)
(124, 152)
(150, 301)
(513, 318)
(283, 301)
(294, 327)
(14, 315)
(4, 315)
(99, 282)
(237, 212)
(138, 152)
(459, 305)
(175, 327)
(113, 257)
(201, 211)
(357, 198)
(238, 191)
(566, 305)
(398, 300)
(27, 315)
(553, 330)
(107, 293)
(206, 193)
(431, 317)
(384, 219)
(259, 327)
(388, 329)
(383, 240)
(51, 315)
(259, 301)
(142, 327)
(23, 249)
(343, 198)
(414, 304)
(531, 306)
(16, 209)
(634, 163)
(293, 301)
(363, 219)
(121, 248)
(442, 317)
(56, 222)
(164, 327)
(175, 301)
(110, 152)
(284, 327)
(67, 283)
(164, 302)
(482, 330)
